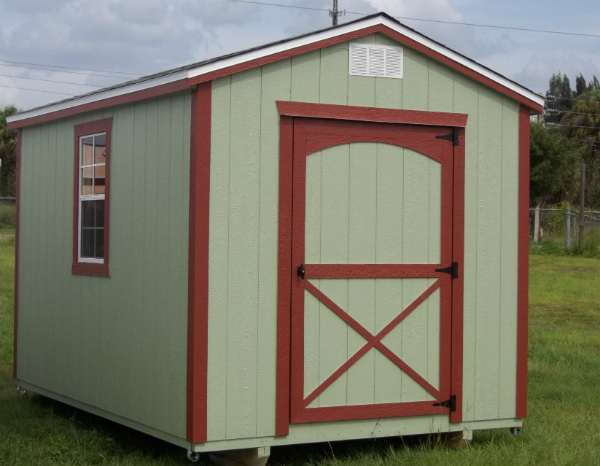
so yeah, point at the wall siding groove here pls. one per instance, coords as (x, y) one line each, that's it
(322, 76)
(96, 339)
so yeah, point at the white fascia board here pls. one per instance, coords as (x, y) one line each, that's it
(283, 47)
(328, 34)
(101, 95)
(466, 62)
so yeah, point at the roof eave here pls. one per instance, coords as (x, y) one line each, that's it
(184, 77)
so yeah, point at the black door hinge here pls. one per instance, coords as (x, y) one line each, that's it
(453, 136)
(452, 270)
(451, 403)
(301, 271)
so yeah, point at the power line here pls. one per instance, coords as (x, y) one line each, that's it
(298, 7)
(572, 126)
(458, 23)
(36, 90)
(48, 80)
(63, 71)
(552, 99)
(69, 68)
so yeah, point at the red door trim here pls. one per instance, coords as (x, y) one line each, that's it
(373, 341)
(523, 265)
(383, 410)
(380, 115)
(284, 274)
(458, 253)
(197, 363)
(287, 275)
(372, 270)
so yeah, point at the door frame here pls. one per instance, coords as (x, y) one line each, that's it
(290, 110)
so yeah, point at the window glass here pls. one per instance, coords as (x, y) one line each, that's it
(92, 229)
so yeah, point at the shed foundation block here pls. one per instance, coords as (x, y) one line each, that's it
(245, 457)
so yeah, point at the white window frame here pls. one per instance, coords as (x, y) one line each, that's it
(88, 197)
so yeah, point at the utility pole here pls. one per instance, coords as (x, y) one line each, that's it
(335, 12)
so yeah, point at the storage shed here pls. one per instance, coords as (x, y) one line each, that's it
(320, 239)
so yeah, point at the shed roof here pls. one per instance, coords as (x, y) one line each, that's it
(184, 77)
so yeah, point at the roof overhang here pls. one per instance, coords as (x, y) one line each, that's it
(186, 77)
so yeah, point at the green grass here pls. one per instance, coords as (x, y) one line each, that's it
(563, 427)
(7, 216)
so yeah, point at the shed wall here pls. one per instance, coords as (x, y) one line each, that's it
(243, 226)
(117, 344)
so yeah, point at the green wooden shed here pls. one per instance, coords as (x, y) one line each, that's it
(319, 239)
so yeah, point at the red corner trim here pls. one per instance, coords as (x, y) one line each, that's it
(84, 268)
(284, 271)
(523, 267)
(361, 33)
(381, 115)
(458, 249)
(104, 103)
(16, 297)
(197, 366)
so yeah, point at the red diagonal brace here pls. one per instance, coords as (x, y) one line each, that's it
(372, 341)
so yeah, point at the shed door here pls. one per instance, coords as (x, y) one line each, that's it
(371, 312)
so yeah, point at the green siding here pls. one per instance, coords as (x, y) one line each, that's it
(115, 344)
(243, 228)
(118, 345)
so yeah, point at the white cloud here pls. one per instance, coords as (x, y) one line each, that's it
(8, 94)
(537, 70)
(144, 36)
(426, 9)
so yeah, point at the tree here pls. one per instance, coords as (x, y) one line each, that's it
(582, 125)
(559, 98)
(8, 154)
(580, 85)
(554, 164)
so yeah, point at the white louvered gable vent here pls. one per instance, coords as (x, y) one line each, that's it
(376, 60)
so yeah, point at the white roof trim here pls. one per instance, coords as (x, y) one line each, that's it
(328, 34)
(102, 95)
(282, 47)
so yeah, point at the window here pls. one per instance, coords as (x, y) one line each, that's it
(91, 203)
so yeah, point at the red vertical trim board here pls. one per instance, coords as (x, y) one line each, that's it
(197, 367)
(458, 253)
(16, 297)
(286, 143)
(523, 267)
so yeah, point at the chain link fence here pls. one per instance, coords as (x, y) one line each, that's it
(560, 225)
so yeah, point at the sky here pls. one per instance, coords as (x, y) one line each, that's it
(52, 49)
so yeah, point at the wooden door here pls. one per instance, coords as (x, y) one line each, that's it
(372, 263)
